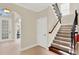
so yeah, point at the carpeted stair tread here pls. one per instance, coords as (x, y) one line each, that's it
(64, 35)
(65, 43)
(66, 25)
(64, 53)
(64, 32)
(61, 47)
(64, 29)
(62, 41)
(63, 38)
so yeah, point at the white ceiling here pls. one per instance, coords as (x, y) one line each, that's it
(34, 6)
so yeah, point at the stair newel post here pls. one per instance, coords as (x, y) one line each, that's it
(71, 43)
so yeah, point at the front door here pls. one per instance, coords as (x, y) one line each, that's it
(5, 28)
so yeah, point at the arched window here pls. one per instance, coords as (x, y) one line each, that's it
(65, 8)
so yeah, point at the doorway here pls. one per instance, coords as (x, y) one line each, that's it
(5, 26)
(42, 32)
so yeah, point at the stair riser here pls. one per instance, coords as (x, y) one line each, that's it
(63, 33)
(59, 47)
(66, 25)
(67, 40)
(66, 28)
(62, 43)
(67, 36)
(63, 39)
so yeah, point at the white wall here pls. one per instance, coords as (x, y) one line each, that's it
(28, 30)
(52, 18)
(51, 21)
(16, 20)
(68, 19)
(29, 22)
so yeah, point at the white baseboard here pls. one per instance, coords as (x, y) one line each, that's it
(43, 46)
(5, 41)
(31, 46)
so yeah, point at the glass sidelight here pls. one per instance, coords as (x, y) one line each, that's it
(5, 23)
(5, 32)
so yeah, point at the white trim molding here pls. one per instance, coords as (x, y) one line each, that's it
(43, 46)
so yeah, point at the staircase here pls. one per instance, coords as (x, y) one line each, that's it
(62, 42)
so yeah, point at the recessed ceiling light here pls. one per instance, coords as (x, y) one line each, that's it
(6, 10)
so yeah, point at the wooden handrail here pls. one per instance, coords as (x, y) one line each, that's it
(54, 27)
(59, 17)
(59, 13)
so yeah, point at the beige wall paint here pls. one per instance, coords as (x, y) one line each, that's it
(68, 19)
(28, 30)
(29, 18)
(28, 37)
(75, 6)
(51, 21)
(43, 13)
(52, 18)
